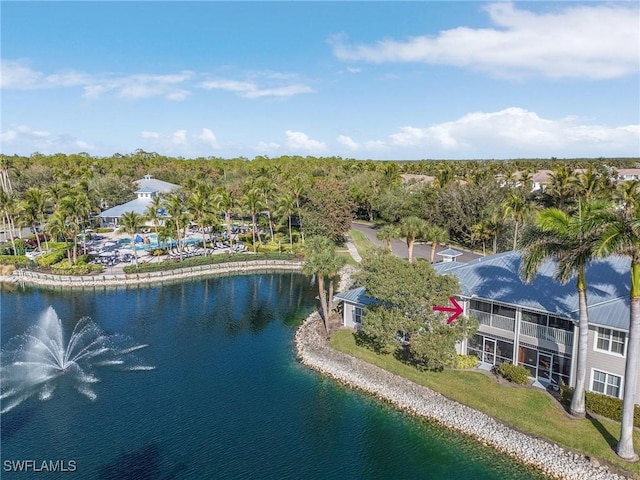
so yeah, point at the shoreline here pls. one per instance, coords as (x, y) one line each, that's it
(315, 352)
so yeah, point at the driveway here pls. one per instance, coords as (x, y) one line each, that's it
(420, 250)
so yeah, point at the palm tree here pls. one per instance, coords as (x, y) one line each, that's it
(628, 195)
(200, 207)
(516, 208)
(570, 240)
(323, 262)
(131, 223)
(562, 187)
(253, 204)
(59, 227)
(436, 235)
(621, 236)
(286, 208)
(388, 233)
(481, 231)
(412, 228)
(75, 208)
(33, 206)
(174, 204)
(266, 187)
(228, 203)
(8, 208)
(296, 187)
(496, 226)
(153, 212)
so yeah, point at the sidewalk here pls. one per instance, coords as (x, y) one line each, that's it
(352, 248)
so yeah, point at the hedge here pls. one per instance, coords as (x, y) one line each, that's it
(18, 261)
(604, 405)
(513, 373)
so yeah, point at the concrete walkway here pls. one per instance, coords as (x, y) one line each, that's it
(352, 248)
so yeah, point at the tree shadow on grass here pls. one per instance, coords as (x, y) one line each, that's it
(610, 439)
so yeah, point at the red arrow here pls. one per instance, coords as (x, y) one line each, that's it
(456, 309)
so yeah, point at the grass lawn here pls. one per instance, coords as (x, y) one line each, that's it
(528, 409)
(362, 243)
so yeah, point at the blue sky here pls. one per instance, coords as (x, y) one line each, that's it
(379, 80)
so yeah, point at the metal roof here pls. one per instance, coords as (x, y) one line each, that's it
(450, 252)
(155, 185)
(496, 278)
(139, 205)
(356, 296)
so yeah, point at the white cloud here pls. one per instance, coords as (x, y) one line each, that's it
(181, 142)
(18, 75)
(593, 41)
(348, 142)
(278, 85)
(516, 132)
(264, 147)
(23, 140)
(301, 141)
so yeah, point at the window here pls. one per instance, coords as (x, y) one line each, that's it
(609, 340)
(534, 317)
(504, 311)
(357, 315)
(480, 306)
(606, 383)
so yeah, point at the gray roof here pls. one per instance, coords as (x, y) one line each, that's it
(139, 205)
(356, 296)
(496, 278)
(149, 184)
(450, 252)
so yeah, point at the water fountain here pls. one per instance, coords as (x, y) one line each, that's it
(35, 362)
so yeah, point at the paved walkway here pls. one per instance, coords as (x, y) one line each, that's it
(352, 249)
(420, 250)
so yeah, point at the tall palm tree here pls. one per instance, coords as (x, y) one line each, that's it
(200, 206)
(621, 236)
(297, 186)
(33, 206)
(570, 240)
(252, 202)
(131, 223)
(436, 235)
(496, 226)
(562, 187)
(174, 204)
(481, 231)
(153, 212)
(517, 209)
(75, 209)
(412, 228)
(388, 233)
(59, 227)
(266, 187)
(286, 208)
(628, 195)
(8, 205)
(323, 262)
(228, 203)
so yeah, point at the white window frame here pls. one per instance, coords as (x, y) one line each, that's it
(355, 315)
(610, 341)
(606, 382)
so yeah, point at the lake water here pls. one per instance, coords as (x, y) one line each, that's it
(227, 400)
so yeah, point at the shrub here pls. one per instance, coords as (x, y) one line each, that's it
(466, 361)
(17, 261)
(599, 404)
(51, 258)
(513, 373)
(65, 267)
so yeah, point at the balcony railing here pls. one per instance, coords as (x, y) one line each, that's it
(550, 334)
(495, 321)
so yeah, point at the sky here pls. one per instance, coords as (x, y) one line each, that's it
(365, 80)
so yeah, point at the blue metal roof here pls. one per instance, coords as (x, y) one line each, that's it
(139, 205)
(356, 296)
(450, 252)
(496, 278)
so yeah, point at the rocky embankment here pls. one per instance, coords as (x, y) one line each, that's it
(315, 351)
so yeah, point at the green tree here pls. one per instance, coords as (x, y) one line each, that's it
(570, 240)
(517, 209)
(75, 208)
(228, 204)
(621, 236)
(412, 228)
(388, 233)
(435, 235)
(8, 206)
(323, 262)
(131, 223)
(175, 206)
(252, 202)
(286, 208)
(153, 212)
(33, 205)
(201, 208)
(403, 318)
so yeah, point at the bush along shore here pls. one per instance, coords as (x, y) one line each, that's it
(315, 352)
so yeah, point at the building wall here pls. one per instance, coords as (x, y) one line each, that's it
(347, 314)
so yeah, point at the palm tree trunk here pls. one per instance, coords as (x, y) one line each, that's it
(290, 234)
(227, 218)
(577, 407)
(133, 247)
(253, 231)
(515, 236)
(323, 301)
(389, 244)
(330, 302)
(433, 251)
(495, 243)
(625, 445)
(37, 237)
(300, 220)
(410, 243)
